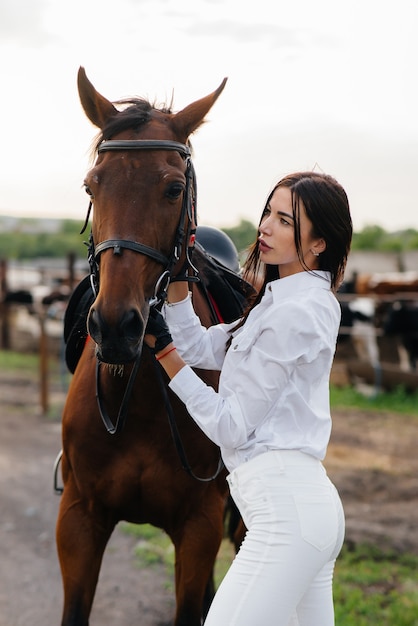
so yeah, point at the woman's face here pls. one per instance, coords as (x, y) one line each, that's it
(277, 236)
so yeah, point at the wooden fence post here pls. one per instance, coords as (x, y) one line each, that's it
(43, 363)
(4, 309)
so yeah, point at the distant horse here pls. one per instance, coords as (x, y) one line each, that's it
(123, 457)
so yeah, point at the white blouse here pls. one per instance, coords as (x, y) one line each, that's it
(274, 382)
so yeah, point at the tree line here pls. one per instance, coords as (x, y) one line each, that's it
(23, 245)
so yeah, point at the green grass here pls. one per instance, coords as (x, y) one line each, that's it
(154, 547)
(397, 401)
(22, 363)
(375, 587)
(27, 367)
(370, 586)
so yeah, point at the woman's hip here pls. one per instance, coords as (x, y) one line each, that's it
(285, 485)
(281, 466)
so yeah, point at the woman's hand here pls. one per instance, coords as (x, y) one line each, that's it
(158, 338)
(157, 334)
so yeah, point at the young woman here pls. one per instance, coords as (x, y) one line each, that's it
(271, 415)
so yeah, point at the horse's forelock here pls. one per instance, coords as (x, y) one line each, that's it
(136, 113)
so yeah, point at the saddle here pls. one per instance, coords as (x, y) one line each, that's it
(226, 292)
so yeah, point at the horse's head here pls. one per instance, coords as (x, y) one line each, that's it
(141, 187)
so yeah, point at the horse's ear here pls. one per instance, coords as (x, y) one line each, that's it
(97, 108)
(191, 117)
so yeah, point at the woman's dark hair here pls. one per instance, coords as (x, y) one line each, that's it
(326, 206)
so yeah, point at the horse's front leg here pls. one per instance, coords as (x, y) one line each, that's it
(82, 535)
(196, 545)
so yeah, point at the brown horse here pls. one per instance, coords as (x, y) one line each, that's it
(142, 189)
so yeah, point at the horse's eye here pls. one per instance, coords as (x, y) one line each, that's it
(174, 191)
(88, 191)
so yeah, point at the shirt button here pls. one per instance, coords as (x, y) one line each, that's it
(236, 346)
(269, 287)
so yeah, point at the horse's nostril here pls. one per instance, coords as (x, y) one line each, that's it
(132, 325)
(93, 326)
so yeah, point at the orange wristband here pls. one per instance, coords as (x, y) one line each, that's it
(165, 353)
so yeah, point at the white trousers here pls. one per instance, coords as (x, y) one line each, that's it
(282, 574)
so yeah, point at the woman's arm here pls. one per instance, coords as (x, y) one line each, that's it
(170, 360)
(200, 347)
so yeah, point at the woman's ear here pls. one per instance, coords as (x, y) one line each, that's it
(319, 246)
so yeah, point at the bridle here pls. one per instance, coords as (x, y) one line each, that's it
(187, 210)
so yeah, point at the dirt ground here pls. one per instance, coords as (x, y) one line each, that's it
(372, 459)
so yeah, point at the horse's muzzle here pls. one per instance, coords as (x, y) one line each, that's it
(119, 342)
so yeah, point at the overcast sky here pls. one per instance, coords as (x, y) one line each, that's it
(328, 84)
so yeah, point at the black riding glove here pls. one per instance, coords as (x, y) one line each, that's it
(157, 327)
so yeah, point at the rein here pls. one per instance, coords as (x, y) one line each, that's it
(176, 435)
(160, 291)
(115, 427)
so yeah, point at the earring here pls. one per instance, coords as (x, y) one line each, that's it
(315, 253)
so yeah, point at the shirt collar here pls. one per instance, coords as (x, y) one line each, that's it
(290, 285)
